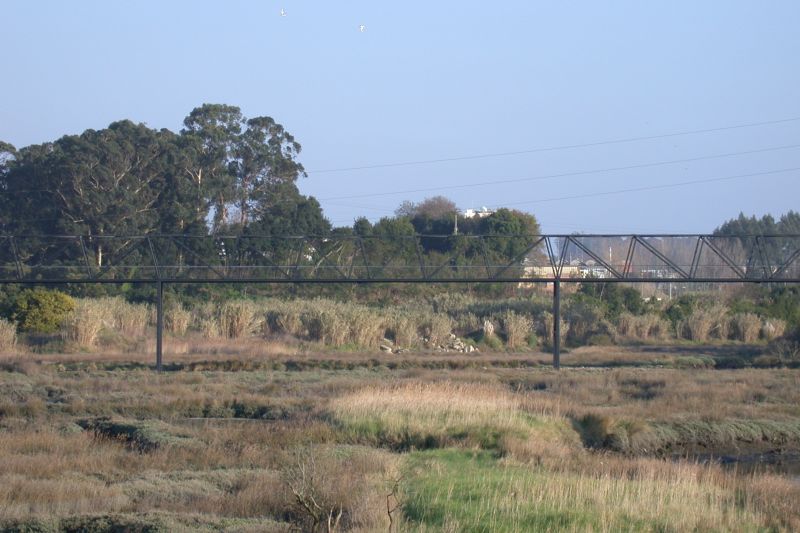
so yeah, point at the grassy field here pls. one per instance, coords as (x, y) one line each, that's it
(273, 439)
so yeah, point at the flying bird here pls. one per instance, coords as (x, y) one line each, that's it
(362, 28)
(283, 12)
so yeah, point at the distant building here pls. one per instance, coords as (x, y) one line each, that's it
(482, 213)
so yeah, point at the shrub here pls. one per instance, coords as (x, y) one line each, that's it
(705, 323)
(546, 329)
(492, 342)
(787, 347)
(585, 318)
(8, 335)
(467, 323)
(746, 326)
(126, 318)
(366, 329)
(177, 319)
(403, 328)
(773, 328)
(238, 318)
(516, 328)
(41, 310)
(642, 327)
(437, 328)
(84, 324)
(209, 327)
(286, 319)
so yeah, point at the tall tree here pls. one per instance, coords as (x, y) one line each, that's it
(99, 183)
(249, 162)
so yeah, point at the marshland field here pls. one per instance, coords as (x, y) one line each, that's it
(441, 414)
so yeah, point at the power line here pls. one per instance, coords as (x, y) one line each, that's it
(639, 189)
(556, 148)
(564, 174)
(653, 187)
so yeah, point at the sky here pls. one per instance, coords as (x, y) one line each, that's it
(708, 90)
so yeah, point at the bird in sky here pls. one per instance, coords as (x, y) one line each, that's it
(362, 28)
(283, 12)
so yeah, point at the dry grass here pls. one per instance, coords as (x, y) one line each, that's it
(705, 323)
(423, 415)
(773, 328)
(83, 325)
(238, 319)
(8, 336)
(126, 318)
(177, 320)
(646, 495)
(643, 327)
(746, 327)
(517, 328)
(241, 438)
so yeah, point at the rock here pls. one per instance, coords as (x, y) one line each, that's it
(385, 348)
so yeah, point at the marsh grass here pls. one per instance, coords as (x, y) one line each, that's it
(434, 415)
(83, 325)
(8, 336)
(218, 447)
(473, 491)
(517, 328)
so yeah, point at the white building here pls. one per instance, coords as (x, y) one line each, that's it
(482, 213)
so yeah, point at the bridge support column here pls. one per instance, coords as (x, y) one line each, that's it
(159, 325)
(557, 324)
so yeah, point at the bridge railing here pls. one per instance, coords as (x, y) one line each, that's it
(413, 258)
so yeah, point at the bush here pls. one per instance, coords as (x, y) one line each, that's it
(8, 336)
(402, 328)
(177, 319)
(746, 326)
(585, 319)
(516, 328)
(642, 327)
(366, 328)
(437, 329)
(41, 310)
(126, 318)
(546, 329)
(84, 323)
(786, 348)
(773, 328)
(705, 323)
(238, 318)
(492, 342)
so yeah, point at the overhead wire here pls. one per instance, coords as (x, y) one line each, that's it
(502, 181)
(639, 189)
(654, 187)
(556, 148)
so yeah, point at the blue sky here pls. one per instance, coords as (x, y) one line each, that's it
(433, 80)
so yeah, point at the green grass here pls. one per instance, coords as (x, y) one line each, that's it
(445, 414)
(472, 491)
(679, 436)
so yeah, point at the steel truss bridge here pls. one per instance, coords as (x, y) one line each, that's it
(523, 259)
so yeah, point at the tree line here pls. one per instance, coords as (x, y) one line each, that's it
(221, 174)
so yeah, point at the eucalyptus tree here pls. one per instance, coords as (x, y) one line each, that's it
(100, 183)
(247, 163)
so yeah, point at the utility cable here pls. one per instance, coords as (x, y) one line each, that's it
(565, 174)
(556, 148)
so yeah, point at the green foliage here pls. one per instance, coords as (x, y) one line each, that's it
(680, 309)
(616, 298)
(586, 318)
(41, 310)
